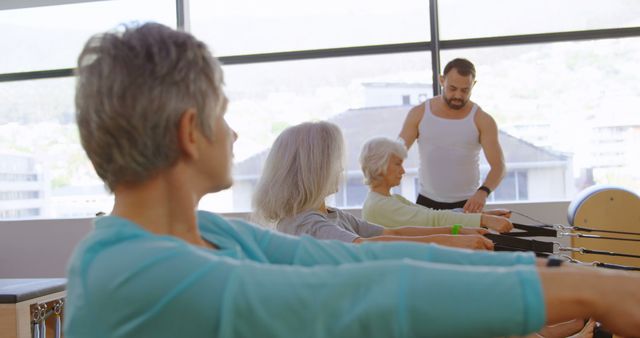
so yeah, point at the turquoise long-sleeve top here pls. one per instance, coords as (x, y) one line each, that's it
(124, 281)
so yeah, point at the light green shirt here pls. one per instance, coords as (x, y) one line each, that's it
(395, 211)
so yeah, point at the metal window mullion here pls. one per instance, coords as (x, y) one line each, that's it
(326, 53)
(37, 75)
(344, 194)
(527, 39)
(515, 172)
(435, 45)
(183, 18)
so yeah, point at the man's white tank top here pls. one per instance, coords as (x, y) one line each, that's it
(449, 156)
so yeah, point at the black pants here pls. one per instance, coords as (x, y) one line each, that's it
(429, 203)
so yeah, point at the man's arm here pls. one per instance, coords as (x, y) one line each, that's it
(409, 132)
(493, 152)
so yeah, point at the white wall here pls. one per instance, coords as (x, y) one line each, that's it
(41, 248)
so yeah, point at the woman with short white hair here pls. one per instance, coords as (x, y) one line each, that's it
(303, 168)
(381, 161)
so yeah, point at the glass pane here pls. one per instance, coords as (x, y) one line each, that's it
(356, 191)
(339, 198)
(507, 189)
(363, 95)
(523, 184)
(51, 37)
(44, 171)
(568, 112)
(464, 19)
(232, 27)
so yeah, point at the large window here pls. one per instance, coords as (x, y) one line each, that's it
(235, 27)
(464, 19)
(40, 152)
(571, 108)
(51, 37)
(363, 95)
(44, 173)
(567, 111)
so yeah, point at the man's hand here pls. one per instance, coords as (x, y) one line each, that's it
(497, 223)
(476, 203)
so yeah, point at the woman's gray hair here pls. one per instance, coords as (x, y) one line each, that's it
(375, 155)
(303, 167)
(132, 88)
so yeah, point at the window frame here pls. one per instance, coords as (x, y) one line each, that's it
(433, 46)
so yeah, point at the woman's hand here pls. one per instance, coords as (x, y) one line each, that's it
(497, 223)
(609, 297)
(473, 231)
(575, 329)
(474, 242)
(498, 212)
(619, 313)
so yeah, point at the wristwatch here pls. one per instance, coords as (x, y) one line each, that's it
(485, 189)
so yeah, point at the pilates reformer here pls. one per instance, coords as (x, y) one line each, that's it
(605, 209)
(512, 242)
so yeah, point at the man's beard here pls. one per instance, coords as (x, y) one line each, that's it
(456, 104)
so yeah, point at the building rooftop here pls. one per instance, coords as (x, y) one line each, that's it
(359, 125)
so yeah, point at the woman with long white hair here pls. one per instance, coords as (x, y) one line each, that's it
(303, 168)
(381, 162)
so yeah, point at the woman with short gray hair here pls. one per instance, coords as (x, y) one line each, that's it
(145, 113)
(303, 168)
(375, 156)
(381, 161)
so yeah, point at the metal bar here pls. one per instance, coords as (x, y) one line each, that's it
(379, 49)
(606, 253)
(182, 15)
(542, 38)
(616, 266)
(19, 4)
(326, 53)
(41, 74)
(579, 228)
(602, 237)
(435, 46)
(258, 58)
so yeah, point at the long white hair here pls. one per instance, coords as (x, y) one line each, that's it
(303, 167)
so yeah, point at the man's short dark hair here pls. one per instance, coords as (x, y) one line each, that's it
(463, 66)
